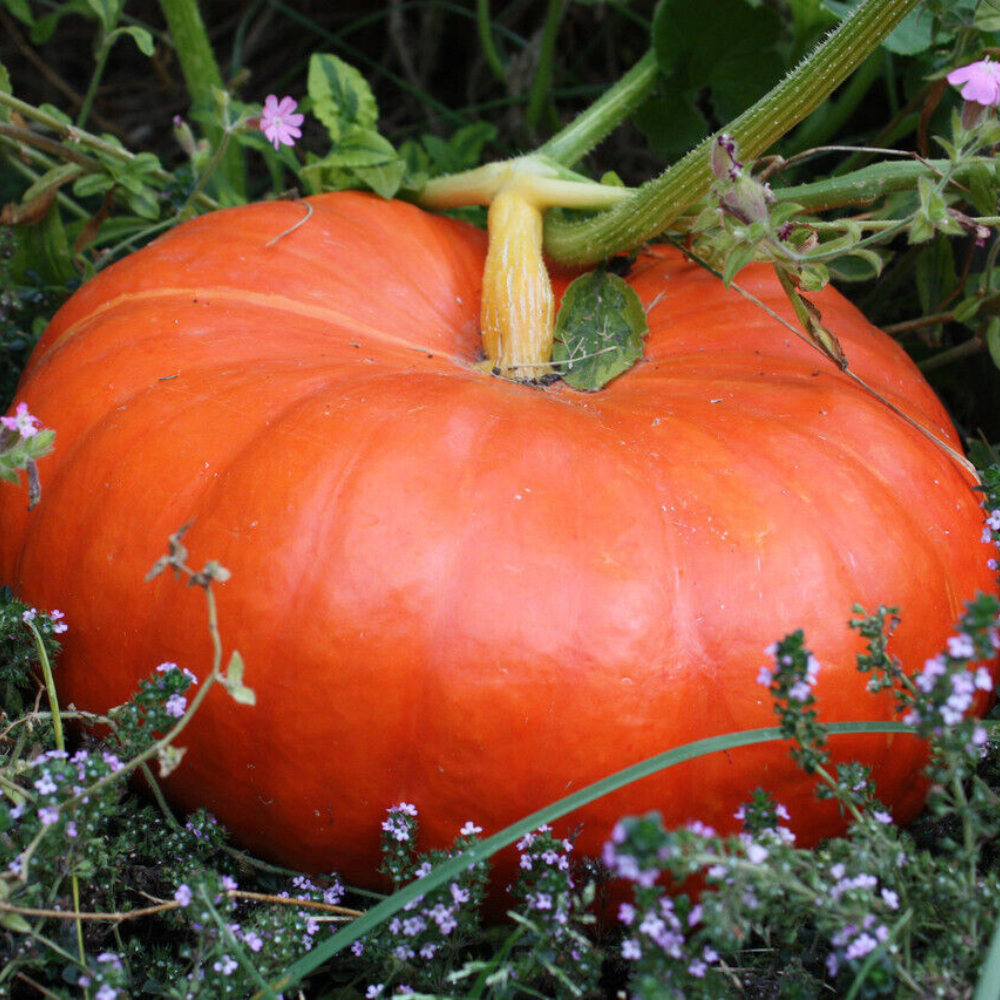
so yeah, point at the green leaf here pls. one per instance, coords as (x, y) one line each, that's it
(142, 38)
(57, 175)
(599, 332)
(384, 179)
(108, 12)
(340, 94)
(361, 146)
(935, 274)
(233, 681)
(21, 10)
(981, 182)
(15, 922)
(737, 258)
(670, 121)
(967, 309)
(739, 51)
(810, 320)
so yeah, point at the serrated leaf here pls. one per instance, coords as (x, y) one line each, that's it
(599, 331)
(341, 96)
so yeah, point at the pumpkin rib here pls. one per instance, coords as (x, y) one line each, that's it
(280, 304)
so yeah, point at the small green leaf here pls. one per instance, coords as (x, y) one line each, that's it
(967, 309)
(142, 38)
(981, 182)
(233, 681)
(108, 12)
(15, 922)
(340, 94)
(599, 332)
(20, 10)
(738, 258)
(810, 320)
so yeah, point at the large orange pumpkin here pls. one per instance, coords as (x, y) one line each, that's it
(459, 591)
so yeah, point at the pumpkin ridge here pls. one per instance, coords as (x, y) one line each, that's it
(279, 303)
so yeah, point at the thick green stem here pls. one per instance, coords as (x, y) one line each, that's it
(862, 187)
(661, 201)
(589, 128)
(201, 74)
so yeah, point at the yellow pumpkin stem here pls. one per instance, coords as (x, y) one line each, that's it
(518, 307)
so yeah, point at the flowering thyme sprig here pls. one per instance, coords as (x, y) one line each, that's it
(791, 682)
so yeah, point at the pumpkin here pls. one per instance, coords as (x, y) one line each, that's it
(457, 590)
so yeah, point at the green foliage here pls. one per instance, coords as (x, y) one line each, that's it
(599, 332)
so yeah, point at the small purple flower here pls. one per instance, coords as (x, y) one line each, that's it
(175, 706)
(470, 829)
(278, 121)
(980, 82)
(22, 422)
(183, 895)
(106, 992)
(58, 626)
(226, 965)
(631, 949)
(49, 815)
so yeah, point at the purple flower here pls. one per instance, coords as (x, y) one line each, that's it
(227, 966)
(631, 949)
(980, 80)
(278, 121)
(48, 815)
(470, 829)
(183, 895)
(175, 705)
(22, 422)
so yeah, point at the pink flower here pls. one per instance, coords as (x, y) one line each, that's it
(981, 80)
(278, 121)
(22, 423)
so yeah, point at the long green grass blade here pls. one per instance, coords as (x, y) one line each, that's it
(488, 847)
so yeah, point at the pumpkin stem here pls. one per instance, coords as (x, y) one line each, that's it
(518, 307)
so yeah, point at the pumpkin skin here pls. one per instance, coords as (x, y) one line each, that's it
(457, 591)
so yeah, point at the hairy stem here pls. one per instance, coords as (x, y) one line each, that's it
(661, 201)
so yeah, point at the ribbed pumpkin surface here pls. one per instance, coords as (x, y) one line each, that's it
(457, 591)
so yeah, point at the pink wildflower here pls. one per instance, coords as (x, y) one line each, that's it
(278, 121)
(22, 422)
(981, 82)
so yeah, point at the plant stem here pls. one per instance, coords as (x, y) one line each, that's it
(861, 187)
(95, 80)
(613, 107)
(485, 29)
(661, 201)
(543, 71)
(201, 74)
(78, 136)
